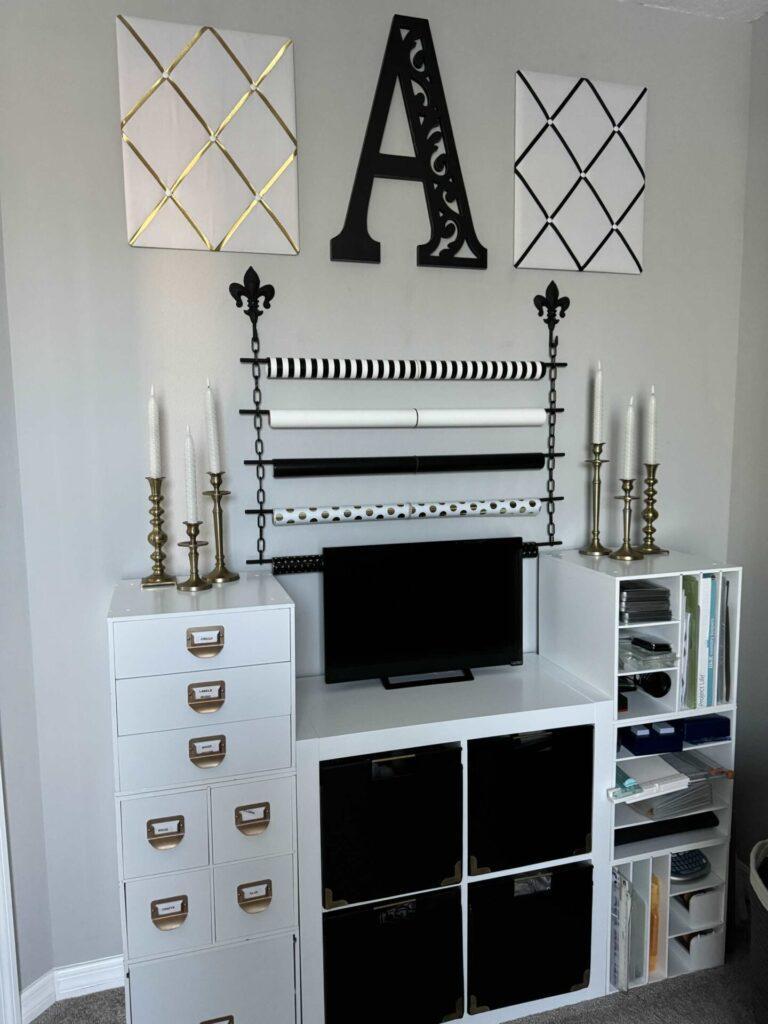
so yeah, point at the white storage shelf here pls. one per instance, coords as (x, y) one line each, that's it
(580, 629)
(352, 719)
(654, 960)
(203, 706)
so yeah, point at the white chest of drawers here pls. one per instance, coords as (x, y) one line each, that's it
(203, 714)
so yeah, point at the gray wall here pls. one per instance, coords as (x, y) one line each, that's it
(749, 495)
(93, 322)
(18, 726)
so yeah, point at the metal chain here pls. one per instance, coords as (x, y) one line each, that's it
(258, 423)
(551, 422)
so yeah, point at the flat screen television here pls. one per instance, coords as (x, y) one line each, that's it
(424, 609)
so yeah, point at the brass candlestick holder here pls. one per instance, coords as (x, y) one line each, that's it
(595, 547)
(626, 553)
(220, 573)
(650, 515)
(194, 581)
(157, 537)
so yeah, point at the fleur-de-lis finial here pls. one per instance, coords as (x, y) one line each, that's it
(257, 296)
(554, 304)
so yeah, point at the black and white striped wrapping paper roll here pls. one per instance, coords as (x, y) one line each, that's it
(312, 368)
(312, 514)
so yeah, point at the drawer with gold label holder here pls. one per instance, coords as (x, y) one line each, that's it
(159, 760)
(164, 833)
(252, 819)
(253, 898)
(186, 643)
(251, 983)
(184, 700)
(168, 913)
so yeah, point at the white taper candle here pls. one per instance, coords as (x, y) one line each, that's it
(628, 441)
(155, 461)
(650, 455)
(214, 452)
(191, 478)
(597, 406)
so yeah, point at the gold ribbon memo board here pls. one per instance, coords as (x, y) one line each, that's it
(208, 122)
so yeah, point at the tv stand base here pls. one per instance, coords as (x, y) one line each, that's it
(425, 679)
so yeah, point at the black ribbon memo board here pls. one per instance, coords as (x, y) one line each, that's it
(255, 299)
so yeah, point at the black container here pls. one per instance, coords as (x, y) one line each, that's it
(655, 684)
(390, 824)
(530, 798)
(530, 937)
(396, 961)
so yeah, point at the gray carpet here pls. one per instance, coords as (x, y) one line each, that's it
(720, 996)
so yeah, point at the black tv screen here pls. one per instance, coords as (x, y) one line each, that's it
(395, 609)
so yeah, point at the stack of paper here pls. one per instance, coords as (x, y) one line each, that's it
(697, 797)
(620, 915)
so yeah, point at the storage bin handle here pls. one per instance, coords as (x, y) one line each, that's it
(205, 698)
(253, 819)
(254, 897)
(169, 913)
(165, 833)
(208, 751)
(205, 641)
(220, 1020)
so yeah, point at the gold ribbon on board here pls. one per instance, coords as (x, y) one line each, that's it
(169, 192)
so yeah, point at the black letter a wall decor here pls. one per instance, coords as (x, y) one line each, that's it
(410, 60)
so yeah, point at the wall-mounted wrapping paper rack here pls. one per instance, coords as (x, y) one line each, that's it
(256, 298)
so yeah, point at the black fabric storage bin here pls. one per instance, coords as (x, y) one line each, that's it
(529, 936)
(396, 962)
(390, 824)
(530, 798)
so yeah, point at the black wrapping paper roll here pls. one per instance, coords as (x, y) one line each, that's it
(396, 464)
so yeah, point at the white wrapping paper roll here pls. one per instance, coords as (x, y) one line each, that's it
(410, 510)
(481, 417)
(330, 419)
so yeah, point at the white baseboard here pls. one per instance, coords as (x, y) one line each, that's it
(37, 997)
(68, 982)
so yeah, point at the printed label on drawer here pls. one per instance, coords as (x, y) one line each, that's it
(255, 813)
(207, 746)
(165, 828)
(210, 692)
(205, 636)
(256, 891)
(169, 907)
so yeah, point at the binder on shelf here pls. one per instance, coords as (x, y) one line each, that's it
(691, 595)
(684, 659)
(702, 655)
(712, 641)
(724, 649)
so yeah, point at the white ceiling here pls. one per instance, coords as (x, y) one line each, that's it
(737, 10)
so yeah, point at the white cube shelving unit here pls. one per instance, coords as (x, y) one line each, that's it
(579, 629)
